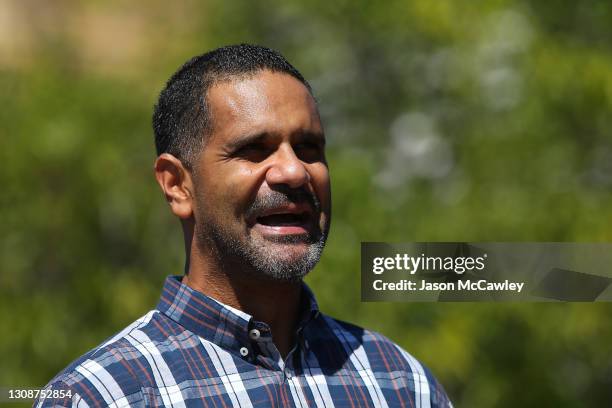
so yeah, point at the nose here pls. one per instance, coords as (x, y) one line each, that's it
(287, 169)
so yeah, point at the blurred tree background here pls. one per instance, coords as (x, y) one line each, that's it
(446, 121)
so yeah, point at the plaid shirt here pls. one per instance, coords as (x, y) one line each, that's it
(195, 351)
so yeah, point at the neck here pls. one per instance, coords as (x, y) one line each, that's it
(272, 302)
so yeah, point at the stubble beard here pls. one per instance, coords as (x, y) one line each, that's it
(272, 258)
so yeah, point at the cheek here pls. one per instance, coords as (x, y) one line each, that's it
(235, 189)
(321, 184)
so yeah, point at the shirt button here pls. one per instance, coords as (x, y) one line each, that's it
(254, 334)
(244, 351)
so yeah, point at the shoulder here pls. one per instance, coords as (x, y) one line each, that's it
(375, 345)
(113, 372)
(386, 359)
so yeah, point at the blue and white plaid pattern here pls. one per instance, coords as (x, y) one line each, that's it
(194, 351)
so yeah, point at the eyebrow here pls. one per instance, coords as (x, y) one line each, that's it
(245, 140)
(248, 139)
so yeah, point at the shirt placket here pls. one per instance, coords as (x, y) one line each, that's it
(268, 354)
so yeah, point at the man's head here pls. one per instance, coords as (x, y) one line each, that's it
(182, 120)
(242, 162)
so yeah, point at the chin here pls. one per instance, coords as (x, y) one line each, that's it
(287, 262)
(285, 252)
(293, 240)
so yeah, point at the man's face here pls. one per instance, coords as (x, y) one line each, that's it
(262, 191)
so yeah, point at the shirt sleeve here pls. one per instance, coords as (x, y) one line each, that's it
(438, 396)
(59, 394)
(84, 394)
(97, 380)
(428, 391)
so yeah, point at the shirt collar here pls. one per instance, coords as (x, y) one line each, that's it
(309, 309)
(215, 321)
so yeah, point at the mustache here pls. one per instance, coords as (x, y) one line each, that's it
(283, 196)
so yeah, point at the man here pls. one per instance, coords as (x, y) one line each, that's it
(242, 164)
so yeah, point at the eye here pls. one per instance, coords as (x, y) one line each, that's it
(308, 145)
(309, 151)
(254, 152)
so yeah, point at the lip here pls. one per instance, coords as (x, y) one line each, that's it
(291, 208)
(299, 227)
(282, 229)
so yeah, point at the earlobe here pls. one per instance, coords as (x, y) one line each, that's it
(176, 184)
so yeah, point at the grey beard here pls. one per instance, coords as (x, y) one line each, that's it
(285, 270)
(262, 257)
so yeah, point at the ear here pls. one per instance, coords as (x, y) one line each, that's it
(176, 184)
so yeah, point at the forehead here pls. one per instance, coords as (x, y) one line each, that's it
(264, 102)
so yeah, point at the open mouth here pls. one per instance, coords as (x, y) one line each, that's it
(292, 220)
(281, 220)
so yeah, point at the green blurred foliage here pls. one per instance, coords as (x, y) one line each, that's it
(446, 121)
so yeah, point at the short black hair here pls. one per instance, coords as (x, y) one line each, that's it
(181, 118)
